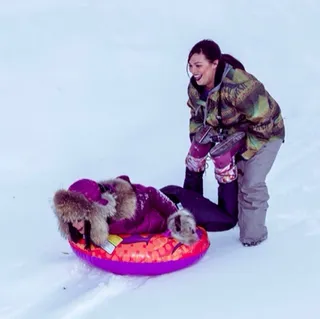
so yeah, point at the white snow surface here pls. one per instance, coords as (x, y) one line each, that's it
(97, 89)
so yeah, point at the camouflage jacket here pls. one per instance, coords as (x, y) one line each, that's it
(245, 106)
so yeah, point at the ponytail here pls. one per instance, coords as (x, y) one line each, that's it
(227, 58)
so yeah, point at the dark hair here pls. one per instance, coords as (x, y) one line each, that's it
(76, 235)
(212, 52)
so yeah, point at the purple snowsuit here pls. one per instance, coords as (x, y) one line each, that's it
(148, 207)
(118, 206)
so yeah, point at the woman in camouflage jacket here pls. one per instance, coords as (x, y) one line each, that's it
(235, 121)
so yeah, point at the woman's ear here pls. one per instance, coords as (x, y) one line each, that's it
(215, 64)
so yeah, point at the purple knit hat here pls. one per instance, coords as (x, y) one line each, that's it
(90, 189)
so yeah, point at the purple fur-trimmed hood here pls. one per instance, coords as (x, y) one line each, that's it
(118, 206)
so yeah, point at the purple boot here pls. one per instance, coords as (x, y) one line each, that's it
(199, 150)
(223, 157)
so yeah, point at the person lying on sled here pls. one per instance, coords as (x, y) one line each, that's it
(93, 209)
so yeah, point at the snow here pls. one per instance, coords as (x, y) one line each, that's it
(97, 89)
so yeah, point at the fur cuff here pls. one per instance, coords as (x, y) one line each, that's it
(182, 226)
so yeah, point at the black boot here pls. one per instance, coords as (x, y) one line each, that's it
(194, 181)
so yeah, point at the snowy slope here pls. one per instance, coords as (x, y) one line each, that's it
(98, 88)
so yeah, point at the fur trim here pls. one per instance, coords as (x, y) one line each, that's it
(125, 197)
(71, 206)
(99, 226)
(182, 226)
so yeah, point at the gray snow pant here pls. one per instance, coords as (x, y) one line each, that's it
(253, 193)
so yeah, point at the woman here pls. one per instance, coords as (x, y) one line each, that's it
(92, 210)
(95, 209)
(239, 125)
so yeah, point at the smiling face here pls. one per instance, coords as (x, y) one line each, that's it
(79, 225)
(203, 70)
